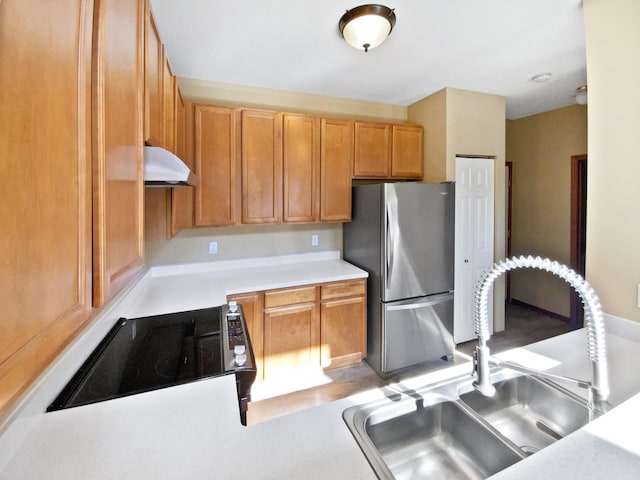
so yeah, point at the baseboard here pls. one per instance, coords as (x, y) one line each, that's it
(540, 310)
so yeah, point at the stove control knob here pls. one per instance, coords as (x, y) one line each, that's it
(241, 360)
(233, 306)
(239, 349)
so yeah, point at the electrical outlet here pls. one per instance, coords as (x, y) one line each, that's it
(314, 240)
(213, 248)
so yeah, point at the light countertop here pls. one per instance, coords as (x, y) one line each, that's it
(193, 430)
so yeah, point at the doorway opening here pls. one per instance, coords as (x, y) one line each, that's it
(578, 232)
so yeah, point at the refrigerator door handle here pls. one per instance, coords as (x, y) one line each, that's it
(390, 243)
(415, 306)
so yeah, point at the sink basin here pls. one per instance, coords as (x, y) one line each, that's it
(440, 440)
(529, 412)
(449, 430)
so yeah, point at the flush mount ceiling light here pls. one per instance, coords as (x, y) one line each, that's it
(367, 26)
(581, 95)
(541, 77)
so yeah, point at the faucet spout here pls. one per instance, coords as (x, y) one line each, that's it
(599, 385)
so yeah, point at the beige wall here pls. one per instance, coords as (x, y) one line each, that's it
(613, 230)
(251, 241)
(540, 147)
(227, 94)
(473, 124)
(192, 245)
(431, 112)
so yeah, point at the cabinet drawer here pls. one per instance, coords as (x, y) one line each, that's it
(343, 289)
(289, 296)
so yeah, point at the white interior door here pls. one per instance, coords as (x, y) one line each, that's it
(473, 240)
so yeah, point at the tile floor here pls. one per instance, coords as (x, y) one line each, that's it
(274, 398)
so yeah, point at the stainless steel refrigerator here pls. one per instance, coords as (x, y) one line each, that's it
(402, 234)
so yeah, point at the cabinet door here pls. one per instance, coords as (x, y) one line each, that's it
(157, 201)
(372, 156)
(336, 164)
(117, 146)
(406, 151)
(291, 336)
(301, 160)
(45, 151)
(168, 107)
(153, 82)
(261, 167)
(216, 196)
(343, 323)
(182, 198)
(252, 305)
(343, 336)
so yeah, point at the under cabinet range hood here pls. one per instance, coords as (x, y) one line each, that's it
(163, 169)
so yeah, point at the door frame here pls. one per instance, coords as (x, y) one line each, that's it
(509, 214)
(578, 232)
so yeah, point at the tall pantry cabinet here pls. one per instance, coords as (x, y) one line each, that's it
(45, 150)
(70, 139)
(117, 145)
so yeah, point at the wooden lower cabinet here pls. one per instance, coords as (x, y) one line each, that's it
(290, 338)
(343, 324)
(291, 329)
(310, 326)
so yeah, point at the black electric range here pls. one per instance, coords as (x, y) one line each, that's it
(149, 353)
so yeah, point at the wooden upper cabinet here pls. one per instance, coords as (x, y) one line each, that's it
(153, 82)
(117, 145)
(301, 160)
(45, 151)
(406, 153)
(168, 108)
(261, 146)
(180, 123)
(216, 165)
(372, 154)
(157, 201)
(336, 161)
(182, 198)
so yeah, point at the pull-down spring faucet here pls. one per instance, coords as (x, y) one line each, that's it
(599, 386)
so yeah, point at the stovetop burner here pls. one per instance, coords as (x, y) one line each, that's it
(148, 353)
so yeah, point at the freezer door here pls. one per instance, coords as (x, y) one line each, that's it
(416, 331)
(418, 239)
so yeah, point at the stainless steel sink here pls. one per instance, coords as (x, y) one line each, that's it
(450, 431)
(438, 441)
(529, 412)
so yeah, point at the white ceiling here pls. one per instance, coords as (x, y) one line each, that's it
(490, 46)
